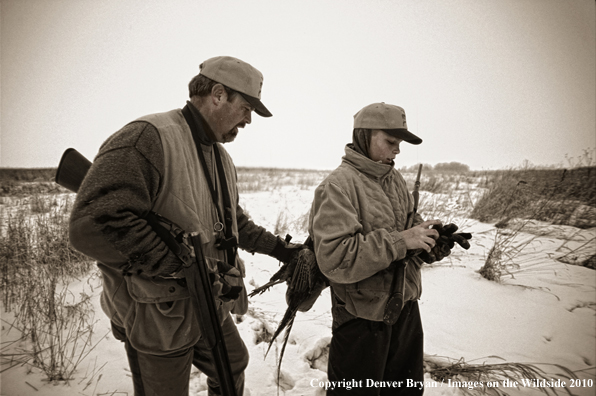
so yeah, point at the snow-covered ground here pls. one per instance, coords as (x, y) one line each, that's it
(544, 315)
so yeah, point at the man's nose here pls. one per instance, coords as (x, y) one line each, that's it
(248, 117)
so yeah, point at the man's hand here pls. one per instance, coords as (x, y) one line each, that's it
(285, 251)
(421, 236)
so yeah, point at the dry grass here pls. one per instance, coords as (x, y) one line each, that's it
(516, 198)
(36, 265)
(473, 379)
(265, 179)
(550, 195)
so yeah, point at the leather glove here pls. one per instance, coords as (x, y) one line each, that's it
(446, 241)
(285, 251)
(437, 253)
(448, 231)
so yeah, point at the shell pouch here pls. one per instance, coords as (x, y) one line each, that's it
(160, 319)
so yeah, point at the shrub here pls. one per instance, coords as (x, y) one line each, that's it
(541, 194)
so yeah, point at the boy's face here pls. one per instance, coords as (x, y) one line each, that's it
(383, 147)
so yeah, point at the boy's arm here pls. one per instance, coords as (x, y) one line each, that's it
(344, 253)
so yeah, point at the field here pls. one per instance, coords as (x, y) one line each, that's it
(515, 314)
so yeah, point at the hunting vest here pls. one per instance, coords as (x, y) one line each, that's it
(185, 199)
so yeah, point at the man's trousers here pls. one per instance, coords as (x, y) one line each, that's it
(169, 375)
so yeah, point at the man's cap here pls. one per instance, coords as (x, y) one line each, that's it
(239, 76)
(389, 118)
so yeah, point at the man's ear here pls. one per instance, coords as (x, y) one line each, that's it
(218, 94)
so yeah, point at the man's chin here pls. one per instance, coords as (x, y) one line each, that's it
(229, 137)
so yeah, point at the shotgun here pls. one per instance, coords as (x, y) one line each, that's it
(71, 171)
(396, 297)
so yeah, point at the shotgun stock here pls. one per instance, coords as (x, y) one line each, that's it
(72, 169)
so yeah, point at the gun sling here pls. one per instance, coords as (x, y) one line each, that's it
(229, 244)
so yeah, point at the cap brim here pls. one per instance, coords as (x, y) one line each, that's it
(260, 108)
(404, 135)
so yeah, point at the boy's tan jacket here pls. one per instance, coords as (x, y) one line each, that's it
(356, 218)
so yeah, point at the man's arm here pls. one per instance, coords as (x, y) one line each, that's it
(107, 221)
(253, 238)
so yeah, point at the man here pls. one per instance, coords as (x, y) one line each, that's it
(173, 164)
(357, 223)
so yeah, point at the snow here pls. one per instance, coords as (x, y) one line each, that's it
(543, 314)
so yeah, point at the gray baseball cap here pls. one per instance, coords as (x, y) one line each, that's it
(389, 118)
(239, 76)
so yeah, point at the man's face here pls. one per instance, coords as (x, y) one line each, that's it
(234, 113)
(383, 147)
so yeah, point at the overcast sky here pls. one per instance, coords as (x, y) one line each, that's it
(489, 83)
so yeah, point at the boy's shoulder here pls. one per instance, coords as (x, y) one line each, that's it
(342, 174)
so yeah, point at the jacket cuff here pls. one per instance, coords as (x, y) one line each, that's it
(399, 245)
(266, 243)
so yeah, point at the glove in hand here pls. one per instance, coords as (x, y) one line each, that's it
(446, 241)
(285, 251)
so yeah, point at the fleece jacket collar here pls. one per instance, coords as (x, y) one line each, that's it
(372, 169)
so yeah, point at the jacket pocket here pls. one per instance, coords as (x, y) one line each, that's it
(367, 299)
(155, 290)
(161, 318)
(162, 328)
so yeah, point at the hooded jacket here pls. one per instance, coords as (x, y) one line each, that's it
(356, 220)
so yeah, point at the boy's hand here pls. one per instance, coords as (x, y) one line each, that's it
(446, 241)
(421, 236)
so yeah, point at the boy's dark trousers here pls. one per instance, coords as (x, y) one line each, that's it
(368, 352)
(169, 375)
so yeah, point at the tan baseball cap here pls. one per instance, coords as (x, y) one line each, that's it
(389, 118)
(239, 76)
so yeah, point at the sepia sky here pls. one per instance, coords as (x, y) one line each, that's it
(491, 84)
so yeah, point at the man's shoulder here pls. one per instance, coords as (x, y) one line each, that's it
(139, 136)
(163, 118)
(129, 135)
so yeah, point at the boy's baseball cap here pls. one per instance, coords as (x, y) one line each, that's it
(389, 118)
(239, 76)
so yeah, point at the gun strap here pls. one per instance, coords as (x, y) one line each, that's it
(227, 215)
